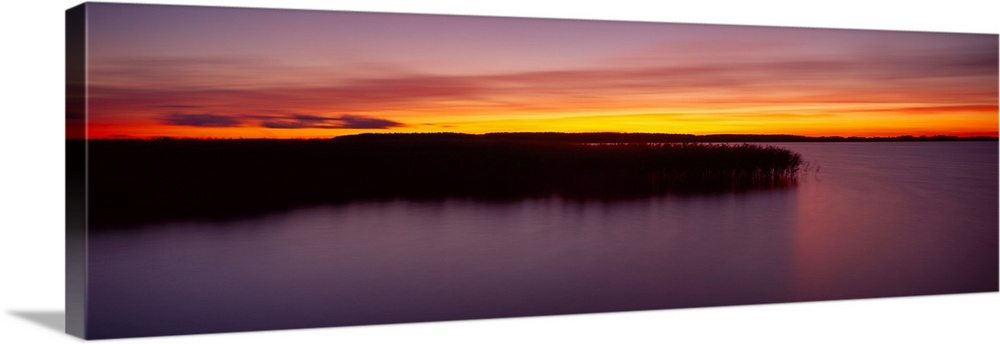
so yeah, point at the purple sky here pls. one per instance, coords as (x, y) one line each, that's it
(204, 71)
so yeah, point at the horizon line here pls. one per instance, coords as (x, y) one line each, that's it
(125, 137)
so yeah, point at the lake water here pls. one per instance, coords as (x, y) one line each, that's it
(866, 220)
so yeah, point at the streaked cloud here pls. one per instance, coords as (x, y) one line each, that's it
(293, 121)
(299, 121)
(202, 120)
(559, 75)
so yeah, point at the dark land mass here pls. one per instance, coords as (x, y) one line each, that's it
(613, 137)
(137, 181)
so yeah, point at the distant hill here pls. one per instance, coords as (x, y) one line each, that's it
(612, 137)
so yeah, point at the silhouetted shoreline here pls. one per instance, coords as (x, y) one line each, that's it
(135, 181)
(616, 137)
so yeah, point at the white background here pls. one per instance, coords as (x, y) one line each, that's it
(32, 186)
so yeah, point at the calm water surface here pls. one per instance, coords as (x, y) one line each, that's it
(866, 220)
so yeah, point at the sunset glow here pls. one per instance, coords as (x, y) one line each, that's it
(245, 73)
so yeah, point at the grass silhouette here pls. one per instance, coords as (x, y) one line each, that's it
(149, 180)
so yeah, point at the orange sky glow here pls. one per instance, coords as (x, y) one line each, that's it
(207, 72)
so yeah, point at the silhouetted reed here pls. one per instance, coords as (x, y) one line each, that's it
(142, 180)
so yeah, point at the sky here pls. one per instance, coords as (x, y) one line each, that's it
(229, 73)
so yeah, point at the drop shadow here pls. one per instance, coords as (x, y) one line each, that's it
(54, 320)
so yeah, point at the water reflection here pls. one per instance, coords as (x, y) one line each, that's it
(878, 219)
(401, 261)
(895, 219)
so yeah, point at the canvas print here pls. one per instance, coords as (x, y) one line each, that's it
(237, 169)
